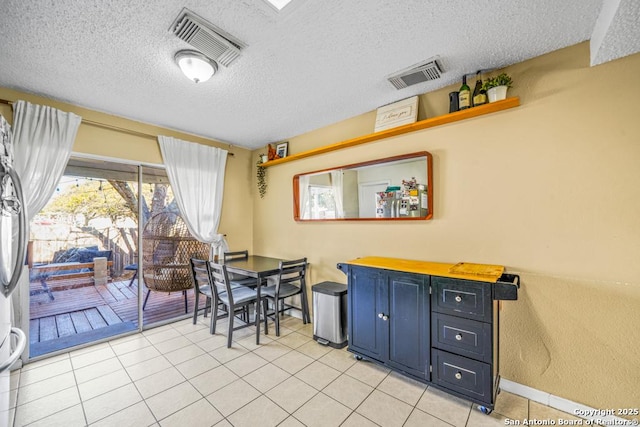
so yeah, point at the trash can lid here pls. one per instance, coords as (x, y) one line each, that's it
(330, 288)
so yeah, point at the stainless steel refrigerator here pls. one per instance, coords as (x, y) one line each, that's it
(13, 239)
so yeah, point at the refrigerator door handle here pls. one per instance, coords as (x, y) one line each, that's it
(7, 288)
(22, 341)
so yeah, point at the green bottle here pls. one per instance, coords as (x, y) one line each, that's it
(479, 95)
(464, 95)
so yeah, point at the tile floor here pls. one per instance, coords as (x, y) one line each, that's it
(180, 375)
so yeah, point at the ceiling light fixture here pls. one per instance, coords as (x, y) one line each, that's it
(195, 65)
(279, 4)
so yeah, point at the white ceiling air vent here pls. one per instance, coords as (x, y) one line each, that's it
(419, 73)
(206, 37)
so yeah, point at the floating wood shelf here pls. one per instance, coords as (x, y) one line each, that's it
(400, 130)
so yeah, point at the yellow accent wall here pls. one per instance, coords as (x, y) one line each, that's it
(124, 139)
(550, 189)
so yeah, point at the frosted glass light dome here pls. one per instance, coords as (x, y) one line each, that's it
(195, 65)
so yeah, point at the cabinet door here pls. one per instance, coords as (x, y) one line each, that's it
(367, 298)
(408, 321)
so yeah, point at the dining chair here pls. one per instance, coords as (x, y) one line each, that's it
(233, 298)
(236, 278)
(290, 281)
(201, 286)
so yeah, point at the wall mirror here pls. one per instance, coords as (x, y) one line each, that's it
(390, 189)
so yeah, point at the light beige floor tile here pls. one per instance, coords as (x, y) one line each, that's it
(138, 356)
(199, 335)
(293, 361)
(186, 327)
(357, 420)
(161, 336)
(266, 377)
(338, 359)
(478, 419)
(232, 397)
(159, 382)
(245, 364)
(43, 362)
(43, 372)
(539, 412)
(212, 343)
(97, 370)
(294, 340)
(322, 411)
(111, 402)
(422, 419)
(384, 409)
(46, 387)
(318, 375)
(198, 365)
(512, 406)
(184, 353)
(137, 415)
(223, 423)
(159, 329)
(284, 331)
(403, 388)
(46, 406)
(176, 343)
(103, 384)
(169, 401)
(306, 330)
(70, 417)
(448, 408)
(291, 322)
(272, 350)
(314, 350)
(348, 391)
(224, 354)
(89, 349)
(130, 344)
(291, 394)
(368, 373)
(250, 342)
(148, 367)
(213, 380)
(260, 412)
(86, 359)
(198, 414)
(291, 422)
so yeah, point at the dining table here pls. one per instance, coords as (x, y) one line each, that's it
(259, 267)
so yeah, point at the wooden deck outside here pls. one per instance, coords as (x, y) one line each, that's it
(80, 310)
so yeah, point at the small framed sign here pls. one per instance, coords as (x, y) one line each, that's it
(397, 114)
(282, 149)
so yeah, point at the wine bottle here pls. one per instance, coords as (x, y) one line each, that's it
(464, 95)
(479, 95)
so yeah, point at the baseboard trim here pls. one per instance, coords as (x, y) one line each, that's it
(595, 416)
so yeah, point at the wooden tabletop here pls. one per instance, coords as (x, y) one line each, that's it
(467, 271)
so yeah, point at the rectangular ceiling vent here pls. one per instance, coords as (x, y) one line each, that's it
(419, 73)
(206, 37)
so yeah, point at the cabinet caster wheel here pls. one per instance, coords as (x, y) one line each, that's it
(357, 357)
(484, 410)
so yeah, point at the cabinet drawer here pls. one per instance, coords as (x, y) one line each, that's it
(466, 376)
(462, 336)
(462, 298)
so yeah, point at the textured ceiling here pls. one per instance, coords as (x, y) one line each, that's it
(313, 64)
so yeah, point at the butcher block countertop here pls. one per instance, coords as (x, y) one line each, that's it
(462, 270)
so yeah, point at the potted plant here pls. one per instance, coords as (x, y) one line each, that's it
(263, 157)
(261, 174)
(496, 87)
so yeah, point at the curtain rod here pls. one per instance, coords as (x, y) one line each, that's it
(111, 127)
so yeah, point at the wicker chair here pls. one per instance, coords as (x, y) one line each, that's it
(167, 247)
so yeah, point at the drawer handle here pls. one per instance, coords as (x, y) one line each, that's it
(383, 316)
(458, 375)
(458, 298)
(458, 337)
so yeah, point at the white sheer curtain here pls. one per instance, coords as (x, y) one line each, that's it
(42, 141)
(305, 207)
(196, 173)
(336, 187)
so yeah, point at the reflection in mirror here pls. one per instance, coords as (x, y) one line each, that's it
(394, 188)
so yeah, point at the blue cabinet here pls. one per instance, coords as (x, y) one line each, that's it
(389, 318)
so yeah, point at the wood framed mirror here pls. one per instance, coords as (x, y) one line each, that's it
(398, 188)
